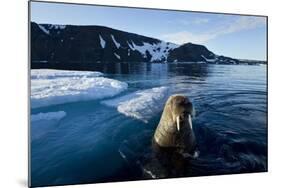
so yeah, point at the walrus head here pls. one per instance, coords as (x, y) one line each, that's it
(175, 126)
(181, 110)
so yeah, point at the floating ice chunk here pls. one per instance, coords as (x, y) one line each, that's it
(52, 90)
(48, 116)
(44, 29)
(51, 74)
(141, 104)
(116, 55)
(115, 42)
(102, 42)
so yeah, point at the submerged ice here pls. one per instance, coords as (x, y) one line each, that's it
(48, 116)
(51, 87)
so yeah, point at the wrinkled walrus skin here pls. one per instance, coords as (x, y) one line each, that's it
(174, 131)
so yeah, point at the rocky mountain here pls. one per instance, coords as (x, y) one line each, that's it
(86, 44)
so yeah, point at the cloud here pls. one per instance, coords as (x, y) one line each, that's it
(185, 36)
(196, 21)
(243, 23)
(240, 24)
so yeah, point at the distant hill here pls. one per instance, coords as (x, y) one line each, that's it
(80, 44)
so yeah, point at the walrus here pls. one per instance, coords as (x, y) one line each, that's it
(174, 132)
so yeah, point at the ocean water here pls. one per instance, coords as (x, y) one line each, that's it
(92, 142)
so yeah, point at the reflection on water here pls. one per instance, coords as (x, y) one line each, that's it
(189, 69)
(95, 143)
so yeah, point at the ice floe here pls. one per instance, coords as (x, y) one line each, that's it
(142, 104)
(48, 116)
(51, 73)
(58, 87)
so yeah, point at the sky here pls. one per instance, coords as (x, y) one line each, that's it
(237, 36)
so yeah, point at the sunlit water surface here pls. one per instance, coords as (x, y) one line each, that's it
(96, 143)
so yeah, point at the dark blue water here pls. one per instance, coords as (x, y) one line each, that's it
(96, 143)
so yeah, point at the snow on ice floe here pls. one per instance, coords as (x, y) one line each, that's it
(71, 86)
(115, 42)
(48, 116)
(102, 42)
(51, 74)
(142, 104)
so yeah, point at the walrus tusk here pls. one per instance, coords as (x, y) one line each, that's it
(178, 123)
(190, 121)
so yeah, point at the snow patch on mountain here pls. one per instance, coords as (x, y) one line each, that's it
(57, 27)
(115, 42)
(209, 60)
(44, 29)
(102, 42)
(158, 51)
(131, 46)
(116, 55)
